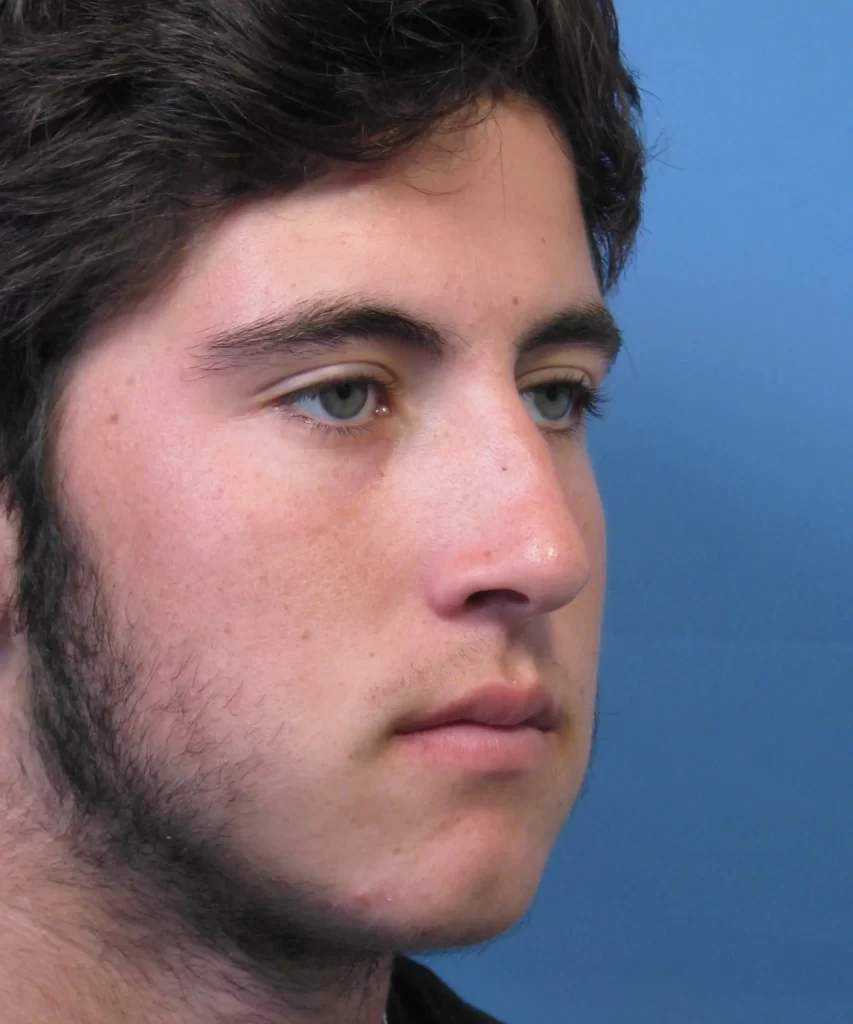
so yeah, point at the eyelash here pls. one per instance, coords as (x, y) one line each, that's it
(589, 400)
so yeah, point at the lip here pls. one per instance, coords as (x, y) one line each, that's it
(481, 749)
(496, 705)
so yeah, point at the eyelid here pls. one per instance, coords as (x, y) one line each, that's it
(558, 375)
(371, 371)
(590, 364)
(327, 377)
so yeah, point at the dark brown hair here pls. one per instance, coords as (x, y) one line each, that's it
(127, 124)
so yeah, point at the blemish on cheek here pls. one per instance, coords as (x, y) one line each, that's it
(131, 380)
(306, 635)
(114, 418)
(515, 300)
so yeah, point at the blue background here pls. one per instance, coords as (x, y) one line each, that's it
(706, 874)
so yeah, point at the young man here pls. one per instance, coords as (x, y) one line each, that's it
(302, 557)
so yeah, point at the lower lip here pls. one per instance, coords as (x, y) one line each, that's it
(481, 747)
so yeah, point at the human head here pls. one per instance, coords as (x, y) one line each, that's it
(158, 141)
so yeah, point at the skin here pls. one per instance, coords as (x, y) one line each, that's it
(285, 597)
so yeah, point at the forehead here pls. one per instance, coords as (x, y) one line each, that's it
(480, 231)
(469, 220)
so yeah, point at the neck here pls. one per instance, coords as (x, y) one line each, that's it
(62, 961)
(76, 948)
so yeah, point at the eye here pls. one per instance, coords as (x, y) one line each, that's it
(559, 405)
(351, 406)
(337, 402)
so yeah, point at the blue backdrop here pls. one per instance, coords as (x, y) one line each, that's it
(706, 875)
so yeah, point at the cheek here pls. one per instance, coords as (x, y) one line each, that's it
(252, 552)
(584, 502)
(255, 585)
(595, 535)
(218, 535)
(577, 626)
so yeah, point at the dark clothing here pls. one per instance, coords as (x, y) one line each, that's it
(418, 996)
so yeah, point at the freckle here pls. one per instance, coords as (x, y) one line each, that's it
(227, 630)
(515, 300)
(306, 635)
(131, 380)
(113, 418)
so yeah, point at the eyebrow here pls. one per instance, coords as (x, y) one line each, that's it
(317, 326)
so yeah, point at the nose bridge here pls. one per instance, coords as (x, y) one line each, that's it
(504, 521)
(515, 472)
(503, 460)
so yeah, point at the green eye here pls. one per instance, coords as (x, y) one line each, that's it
(553, 401)
(561, 406)
(353, 405)
(336, 402)
(345, 400)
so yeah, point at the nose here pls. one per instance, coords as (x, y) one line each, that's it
(508, 534)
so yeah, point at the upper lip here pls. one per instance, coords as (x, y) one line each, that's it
(495, 705)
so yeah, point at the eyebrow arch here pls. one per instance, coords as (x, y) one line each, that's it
(320, 326)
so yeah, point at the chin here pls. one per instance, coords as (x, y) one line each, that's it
(441, 913)
(458, 929)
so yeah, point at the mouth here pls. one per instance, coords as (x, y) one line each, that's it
(494, 705)
(493, 729)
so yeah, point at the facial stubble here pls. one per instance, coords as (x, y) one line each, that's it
(139, 837)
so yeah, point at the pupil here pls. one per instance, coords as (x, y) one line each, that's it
(346, 400)
(559, 395)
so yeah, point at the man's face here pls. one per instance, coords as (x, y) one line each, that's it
(293, 593)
